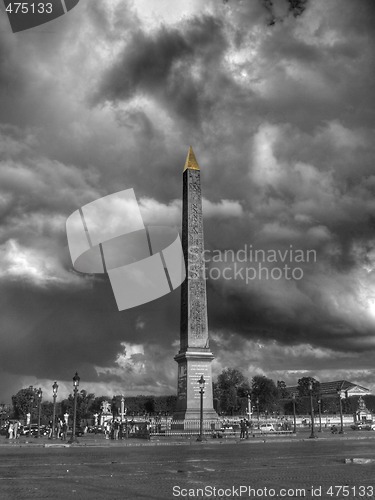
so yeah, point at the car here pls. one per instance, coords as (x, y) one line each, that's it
(267, 428)
(362, 426)
(369, 427)
(32, 430)
(79, 431)
(3, 430)
(95, 429)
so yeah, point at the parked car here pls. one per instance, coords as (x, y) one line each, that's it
(79, 431)
(95, 430)
(362, 426)
(32, 430)
(267, 428)
(369, 427)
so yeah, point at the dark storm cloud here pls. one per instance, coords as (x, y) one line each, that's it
(163, 65)
(61, 328)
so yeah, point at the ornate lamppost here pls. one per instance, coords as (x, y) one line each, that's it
(76, 380)
(54, 393)
(257, 401)
(114, 400)
(294, 413)
(341, 418)
(39, 394)
(312, 435)
(320, 414)
(201, 383)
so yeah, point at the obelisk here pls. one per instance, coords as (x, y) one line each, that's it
(194, 357)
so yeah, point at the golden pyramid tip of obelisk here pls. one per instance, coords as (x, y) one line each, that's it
(191, 161)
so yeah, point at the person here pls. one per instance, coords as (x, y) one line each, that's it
(116, 427)
(15, 429)
(10, 430)
(59, 426)
(50, 427)
(247, 423)
(64, 431)
(243, 428)
(107, 429)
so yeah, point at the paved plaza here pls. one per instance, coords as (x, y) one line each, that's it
(275, 467)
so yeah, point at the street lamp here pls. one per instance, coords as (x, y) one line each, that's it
(312, 435)
(76, 380)
(39, 394)
(54, 390)
(320, 414)
(201, 383)
(258, 413)
(341, 419)
(294, 413)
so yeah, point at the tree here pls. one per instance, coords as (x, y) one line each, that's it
(149, 405)
(5, 412)
(84, 402)
(264, 390)
(24, 402)
(165, 404)
(46, 411)
(303, 386)
(283, 392)
(304, 394)
(230, 386)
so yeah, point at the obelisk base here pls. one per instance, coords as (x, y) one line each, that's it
(192, 364)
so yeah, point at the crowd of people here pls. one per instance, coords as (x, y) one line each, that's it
(112, 429)
(117, 429)
(13, 429)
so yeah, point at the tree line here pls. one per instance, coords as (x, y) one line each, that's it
(232, 389)
(26, 401)
(231, 392)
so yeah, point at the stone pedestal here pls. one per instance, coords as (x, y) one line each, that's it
(191, 365)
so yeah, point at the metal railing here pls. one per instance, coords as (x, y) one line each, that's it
(213, 428)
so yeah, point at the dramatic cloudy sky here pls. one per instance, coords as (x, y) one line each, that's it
(278, 105)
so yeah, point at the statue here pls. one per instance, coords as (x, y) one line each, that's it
(105, 407)
(361, 404)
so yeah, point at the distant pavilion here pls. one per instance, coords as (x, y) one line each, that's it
(329, 389)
